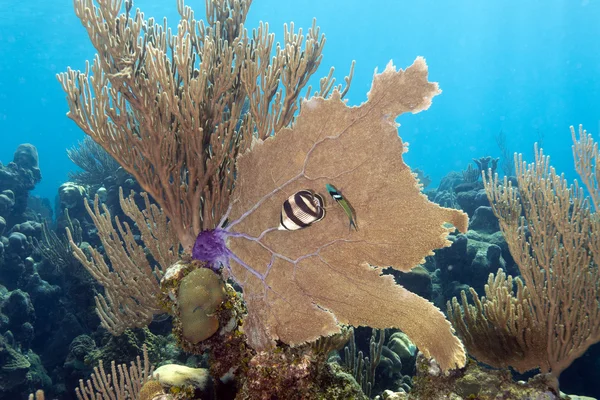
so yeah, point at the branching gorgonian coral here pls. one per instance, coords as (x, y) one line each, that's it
(167, 106)
(174, 110)
(95, 163)
(57, 250)
(552, 231)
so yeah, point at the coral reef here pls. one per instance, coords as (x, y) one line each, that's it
(363, 368)
(97, 166)
(23, 318)
(486, 165)
(200, 117)
(472, 382)
(17, 178)
(232, 228)
(553, 317)
(467, 262)
(127, 384)
(131, 283)
(303, 377)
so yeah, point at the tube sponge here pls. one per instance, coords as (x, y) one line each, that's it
(200, 294)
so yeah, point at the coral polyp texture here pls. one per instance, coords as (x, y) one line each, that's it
(300, 285)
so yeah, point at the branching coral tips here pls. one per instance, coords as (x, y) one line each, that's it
(337, 196)
(301, 209)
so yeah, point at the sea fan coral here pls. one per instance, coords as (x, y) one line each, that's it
(300, 285)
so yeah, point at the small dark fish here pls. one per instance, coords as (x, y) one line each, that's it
(301, 209)
(337, 196)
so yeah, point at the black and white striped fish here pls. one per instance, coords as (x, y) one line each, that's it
(301, 209)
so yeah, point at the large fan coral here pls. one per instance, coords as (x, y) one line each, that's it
(303, 284)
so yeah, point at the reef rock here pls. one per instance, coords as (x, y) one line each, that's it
(71, 195)
(17, 178)
(468, 261)
(484, 220)
(26, 157)
(471, 382)
(470, 200)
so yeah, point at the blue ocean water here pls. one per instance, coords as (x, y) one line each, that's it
(526, 68)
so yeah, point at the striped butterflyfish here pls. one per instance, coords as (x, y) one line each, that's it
(301, 209)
